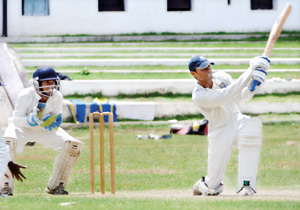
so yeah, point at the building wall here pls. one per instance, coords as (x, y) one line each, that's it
(142, 16)
(1, 17)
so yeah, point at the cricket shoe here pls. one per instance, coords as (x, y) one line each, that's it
(247, 190)
(6, 191)
(200, 187)
(59, 190)
(196, 190)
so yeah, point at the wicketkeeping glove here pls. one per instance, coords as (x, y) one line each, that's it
(35, 118)
(52, 122)
(40, 109)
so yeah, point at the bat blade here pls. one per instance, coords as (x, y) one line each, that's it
(273, 36)
(276, 29)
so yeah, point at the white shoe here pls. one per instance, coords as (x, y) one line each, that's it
(247, 190)
(200, 187)
(196, 190)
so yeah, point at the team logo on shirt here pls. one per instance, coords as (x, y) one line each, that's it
(222, 85)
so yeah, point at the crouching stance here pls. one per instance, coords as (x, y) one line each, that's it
(216, 96)
(37, 118)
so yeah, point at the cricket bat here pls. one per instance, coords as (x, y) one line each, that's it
(274, 34)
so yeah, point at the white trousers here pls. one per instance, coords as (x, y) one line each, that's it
(220, 144)
(53, 139)
(4, 155)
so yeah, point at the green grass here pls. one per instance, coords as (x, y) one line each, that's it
(172, 164)
(171, 97)
(101, 75)
(187, 75)
(140, 204)
(162, 67)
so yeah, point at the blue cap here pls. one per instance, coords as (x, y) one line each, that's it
(45, 73)
(199, 61)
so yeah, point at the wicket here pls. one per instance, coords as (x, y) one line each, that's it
(111, 140)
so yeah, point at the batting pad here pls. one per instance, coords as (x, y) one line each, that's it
(249, 151)
(9, 182)
(64, 164)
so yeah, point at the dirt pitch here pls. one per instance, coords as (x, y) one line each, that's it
(278, 195)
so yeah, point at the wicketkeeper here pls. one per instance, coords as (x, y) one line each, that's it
(216, 96)
(37, 118)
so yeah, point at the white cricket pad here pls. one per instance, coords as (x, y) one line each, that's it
(249, 144)
(8, 183)
(64, 164)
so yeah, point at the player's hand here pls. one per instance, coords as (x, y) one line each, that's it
(56, 124)
(15, 170)
(40, 109)
(259, 75)
(33, 119)
(52, 122)
(259, 65)
(260, 62)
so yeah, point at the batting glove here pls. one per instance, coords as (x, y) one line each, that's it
(259, 76)
(260, 62)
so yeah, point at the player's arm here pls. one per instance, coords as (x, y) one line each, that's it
(210, 98)
(259, 65)
(21, 116)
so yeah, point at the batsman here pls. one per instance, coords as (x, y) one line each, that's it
(37, 118)
(216, 96)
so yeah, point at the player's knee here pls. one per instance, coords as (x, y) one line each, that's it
(250, 133)
(11, 142)
(73, 147)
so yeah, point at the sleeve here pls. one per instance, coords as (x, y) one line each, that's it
(21, 111)
(58, 106)
(214, 98)
(245, 95)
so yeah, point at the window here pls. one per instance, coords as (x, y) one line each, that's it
(179, 5)
(261, 4)
(35, 7)
(110, 5)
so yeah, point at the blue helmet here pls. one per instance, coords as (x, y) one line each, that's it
(44, 73)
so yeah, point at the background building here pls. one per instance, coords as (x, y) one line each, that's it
(100, 17)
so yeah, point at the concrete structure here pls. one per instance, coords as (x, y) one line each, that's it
(144, 62)
(151, 110)
(182, 86)
(82, 17)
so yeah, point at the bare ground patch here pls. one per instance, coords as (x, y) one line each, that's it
(279, 195)
(269, 195)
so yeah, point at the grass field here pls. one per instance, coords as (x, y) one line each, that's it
(159, 174)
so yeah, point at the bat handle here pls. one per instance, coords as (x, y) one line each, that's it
(254, 83)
